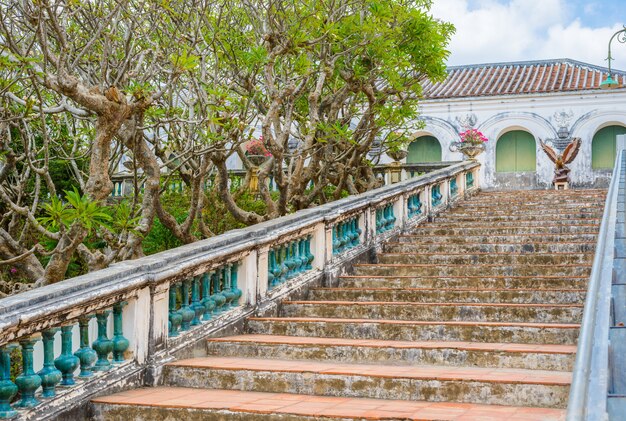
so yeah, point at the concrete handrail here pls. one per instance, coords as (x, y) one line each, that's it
(588, 393)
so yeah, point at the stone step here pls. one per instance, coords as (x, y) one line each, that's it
(473, 270)
(547, 193)
(485, 258)
(520, 205)
(537, 213)
(402, 330)
(498, 239)
(443, 282)
(435, 230)
(476, 312)
(459, 295)
(453, 223)
(166, 403)
(519, 387)
(521, 217)
(473, 354)
(452, 248)
(545, 196)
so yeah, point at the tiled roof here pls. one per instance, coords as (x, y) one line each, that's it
(543, 76)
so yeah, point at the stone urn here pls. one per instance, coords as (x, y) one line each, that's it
(397, 155)
(470, 150)
(257, 160)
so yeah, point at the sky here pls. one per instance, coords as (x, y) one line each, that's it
(492, 31)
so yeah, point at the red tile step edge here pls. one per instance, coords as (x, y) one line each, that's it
(323, 407)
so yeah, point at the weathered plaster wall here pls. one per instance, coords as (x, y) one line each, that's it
(590, 110)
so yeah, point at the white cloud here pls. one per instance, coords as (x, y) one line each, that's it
(490, 31)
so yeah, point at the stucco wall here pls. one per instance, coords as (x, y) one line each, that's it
(590, 111)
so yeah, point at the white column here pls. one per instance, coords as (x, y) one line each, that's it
(252, 276)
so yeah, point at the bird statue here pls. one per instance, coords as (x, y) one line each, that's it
(561, 171)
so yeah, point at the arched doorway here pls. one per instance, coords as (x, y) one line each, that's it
(516, 151)
(424, 149)
(603, 148)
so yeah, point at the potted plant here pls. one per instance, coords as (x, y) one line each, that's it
(256, 151)
(472, 143)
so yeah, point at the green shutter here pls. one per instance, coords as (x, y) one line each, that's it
(603, 147)
(516, 152)
(424, 149)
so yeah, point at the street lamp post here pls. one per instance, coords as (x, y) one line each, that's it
(609, 82)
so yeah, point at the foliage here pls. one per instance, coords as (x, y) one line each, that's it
(178, 88)
(473, 136)
(78, 208)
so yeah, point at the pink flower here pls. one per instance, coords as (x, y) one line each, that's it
(13, 270)
(473, 136)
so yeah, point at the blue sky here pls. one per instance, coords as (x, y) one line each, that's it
(513, 30)
(596, 13)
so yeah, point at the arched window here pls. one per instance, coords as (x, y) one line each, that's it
(516, 152)
(424, 149)
(603, 148)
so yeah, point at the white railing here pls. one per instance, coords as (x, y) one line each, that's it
(590, 383)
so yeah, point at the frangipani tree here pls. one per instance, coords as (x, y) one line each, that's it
(331, 77)
(178, 87)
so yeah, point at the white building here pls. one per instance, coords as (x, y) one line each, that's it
(515, 105)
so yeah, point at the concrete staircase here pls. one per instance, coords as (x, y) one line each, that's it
(472, 317)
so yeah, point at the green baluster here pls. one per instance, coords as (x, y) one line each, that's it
(120, 343)
(103, 345)
(67, 362)
(85, 354)
(284, 269)
(350, 225)
(28, 382)
(296, 258)
(271, 264)
(378, 221)
(347, 234)
(185, 309)
(392, 217)
(50, 376)
(175, 318)
(197, 308)
(385, 222)
(218, 296)
(277, 267)
(335, 239)
(342, 236)
(8, 389)
(207, 301)
(233, 279)
(309, 255)
(358, 231)
(228, 292)
(301, 255)
(287, 262)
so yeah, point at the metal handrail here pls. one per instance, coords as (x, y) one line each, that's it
(589, 389)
